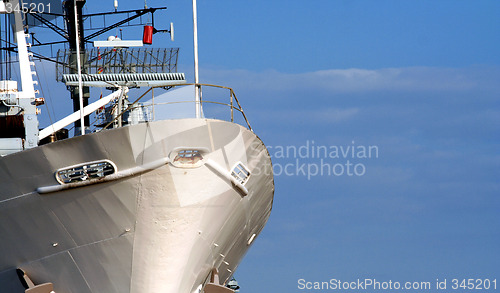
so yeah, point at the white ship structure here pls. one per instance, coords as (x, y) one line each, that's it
(156, 197)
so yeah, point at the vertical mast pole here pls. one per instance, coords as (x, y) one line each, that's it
(196, 72)
(78, 64)
(76, 37)
(1, 53)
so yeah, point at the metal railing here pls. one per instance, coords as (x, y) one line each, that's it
(233, 104)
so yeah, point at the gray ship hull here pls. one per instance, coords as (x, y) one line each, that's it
(155, 226)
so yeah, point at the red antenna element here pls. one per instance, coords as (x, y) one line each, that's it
(147, 37)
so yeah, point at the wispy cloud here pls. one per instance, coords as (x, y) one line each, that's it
(364, 80)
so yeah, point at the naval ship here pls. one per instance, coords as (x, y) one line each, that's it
(144, 189)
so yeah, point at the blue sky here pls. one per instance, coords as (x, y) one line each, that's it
(417, 79)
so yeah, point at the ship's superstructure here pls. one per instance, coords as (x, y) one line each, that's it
(148, 195)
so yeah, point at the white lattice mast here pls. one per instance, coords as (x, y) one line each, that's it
(28, 91)
(26, 97)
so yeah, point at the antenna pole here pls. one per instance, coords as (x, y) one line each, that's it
(78, 64)
(74, 23)
(196, 72)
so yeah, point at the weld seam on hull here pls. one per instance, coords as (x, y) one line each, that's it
(16, 197)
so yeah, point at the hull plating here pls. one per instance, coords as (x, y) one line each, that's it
(162, 230)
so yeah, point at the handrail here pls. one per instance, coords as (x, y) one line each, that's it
(232, 98)
(128, 108)
(182, 102)
(232, 94)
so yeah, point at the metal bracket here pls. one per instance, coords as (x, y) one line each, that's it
(31, 287)
(214, 287)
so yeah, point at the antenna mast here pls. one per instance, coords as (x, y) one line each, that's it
(78, 64)
(196, 74)
(74, 20)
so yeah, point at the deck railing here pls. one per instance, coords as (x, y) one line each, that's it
(230, 102)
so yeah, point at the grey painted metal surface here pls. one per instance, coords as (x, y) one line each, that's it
(163, 230)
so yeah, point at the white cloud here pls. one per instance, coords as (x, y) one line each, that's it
(363, 80)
